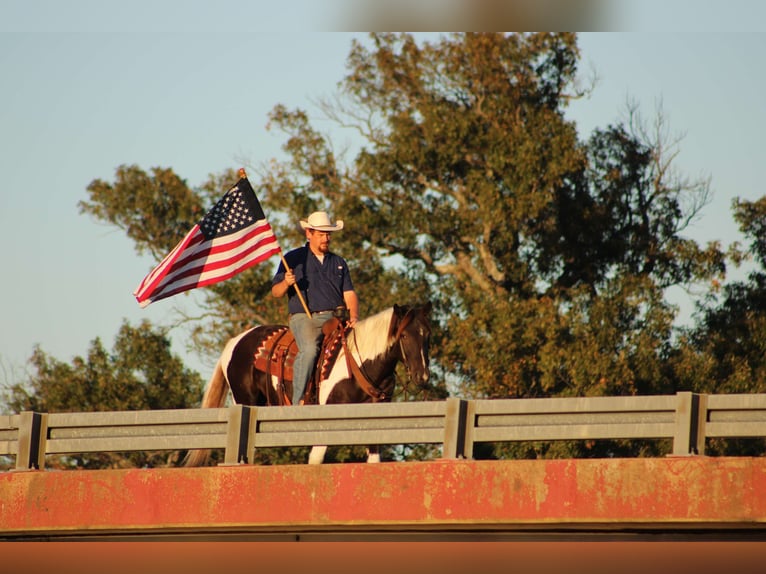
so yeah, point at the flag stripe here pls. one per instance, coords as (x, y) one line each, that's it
(215, 248)
(192, 281)
(209, 267)
(211, 255)
(232, 237)
(202, 266)
(150, 281)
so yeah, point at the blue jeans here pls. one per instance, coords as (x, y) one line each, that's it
(308, 336)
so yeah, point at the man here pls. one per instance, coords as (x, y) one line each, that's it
(324, 280)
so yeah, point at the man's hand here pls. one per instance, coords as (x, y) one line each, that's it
(279, 289)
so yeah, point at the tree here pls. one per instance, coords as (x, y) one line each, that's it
(474, 178)
(139, 374)
(725, 351)
(547, 257)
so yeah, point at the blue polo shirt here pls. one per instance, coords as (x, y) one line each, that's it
(321, 282)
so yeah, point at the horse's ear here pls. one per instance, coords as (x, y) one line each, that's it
(401, 310)
(427, 308)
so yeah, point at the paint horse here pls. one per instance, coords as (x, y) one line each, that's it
(358, 367)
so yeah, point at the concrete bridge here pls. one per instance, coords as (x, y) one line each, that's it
(673, 498)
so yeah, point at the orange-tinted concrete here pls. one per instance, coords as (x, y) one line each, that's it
(440, 496)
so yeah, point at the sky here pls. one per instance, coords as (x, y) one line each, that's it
(87, 86)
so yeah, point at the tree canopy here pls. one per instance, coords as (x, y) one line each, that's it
(548, 256)
(139, 373)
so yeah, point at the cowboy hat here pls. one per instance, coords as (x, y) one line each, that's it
(320, 221)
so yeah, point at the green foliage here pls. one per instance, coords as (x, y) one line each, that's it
(731, 336)
(139, 374)
(725, 352)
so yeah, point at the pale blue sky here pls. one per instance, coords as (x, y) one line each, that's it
(86, 86)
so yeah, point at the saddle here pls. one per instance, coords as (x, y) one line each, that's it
(276, 357)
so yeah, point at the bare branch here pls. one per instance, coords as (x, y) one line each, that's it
(692, 194)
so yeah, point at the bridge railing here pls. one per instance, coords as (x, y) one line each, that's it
(688, 419)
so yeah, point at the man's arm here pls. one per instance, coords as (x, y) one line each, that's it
(352, 302)
(279, 289)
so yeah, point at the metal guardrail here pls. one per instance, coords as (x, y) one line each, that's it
(688, 419)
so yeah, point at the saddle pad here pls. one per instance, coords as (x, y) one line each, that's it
(276, 355)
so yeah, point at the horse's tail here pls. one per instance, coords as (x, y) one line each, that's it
(214, 397)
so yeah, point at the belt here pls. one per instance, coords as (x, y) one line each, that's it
(314, 312)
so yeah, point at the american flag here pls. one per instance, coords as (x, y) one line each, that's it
(233, 236)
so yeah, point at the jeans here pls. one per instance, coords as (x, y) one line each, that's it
(308, 336)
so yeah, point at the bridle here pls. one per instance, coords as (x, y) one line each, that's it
(360, 377)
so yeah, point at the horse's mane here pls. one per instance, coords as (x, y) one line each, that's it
(372, 337)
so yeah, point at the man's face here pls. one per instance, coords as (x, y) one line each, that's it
(319, 241)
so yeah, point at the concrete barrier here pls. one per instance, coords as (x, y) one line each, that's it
(438, 500)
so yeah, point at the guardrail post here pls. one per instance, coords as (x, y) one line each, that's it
(454, 428)
(699, 437)
(240, 435)
(470, 425)
(689, 433)
(33, 431)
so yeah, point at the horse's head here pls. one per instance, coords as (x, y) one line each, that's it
(413, 335)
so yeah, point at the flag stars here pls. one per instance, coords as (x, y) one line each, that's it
(230, 214)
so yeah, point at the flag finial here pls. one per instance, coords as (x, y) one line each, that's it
(242, 173)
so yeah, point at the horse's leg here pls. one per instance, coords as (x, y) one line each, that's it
(316, 456)
(373, 453)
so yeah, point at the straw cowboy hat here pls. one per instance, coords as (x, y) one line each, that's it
(320, 221)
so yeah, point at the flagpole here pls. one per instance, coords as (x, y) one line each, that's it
(298, 291)
(242, 175)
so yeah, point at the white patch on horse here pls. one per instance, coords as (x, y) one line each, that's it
(338, 373)
(423, 361)
(369, 346)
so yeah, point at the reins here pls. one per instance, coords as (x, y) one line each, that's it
(359, 376)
